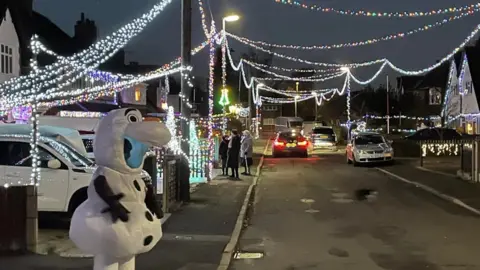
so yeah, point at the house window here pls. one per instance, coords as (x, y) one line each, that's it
(270, 108)
(138, 94)
(455, 90)
(435, 97)
(268, 122)
(469, 87)
(6, 59)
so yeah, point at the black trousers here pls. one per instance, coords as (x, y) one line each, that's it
(235, 172)
(224, 165)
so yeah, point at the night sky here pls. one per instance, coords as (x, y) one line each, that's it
(277, 23)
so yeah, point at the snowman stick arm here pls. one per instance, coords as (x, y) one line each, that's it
(104, 191)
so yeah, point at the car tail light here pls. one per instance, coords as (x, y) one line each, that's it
(279, 143)
(302, 143)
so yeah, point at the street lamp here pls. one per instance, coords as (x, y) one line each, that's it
(345, 69)
(230, 18)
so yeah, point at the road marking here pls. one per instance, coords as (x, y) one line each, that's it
(309, 201)
(433, 191)
(341, 200)
(312, 211)
(248, 255)
(195, 237)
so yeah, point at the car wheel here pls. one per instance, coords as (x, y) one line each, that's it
(305, 155)
(348, 160)
(275, 155)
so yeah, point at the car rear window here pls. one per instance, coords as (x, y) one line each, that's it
(289, 136)
(327, 131)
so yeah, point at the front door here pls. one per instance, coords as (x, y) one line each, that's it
(53, 183)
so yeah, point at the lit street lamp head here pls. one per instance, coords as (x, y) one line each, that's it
(231, 18)
(345, 69)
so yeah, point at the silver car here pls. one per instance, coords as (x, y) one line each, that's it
(369, 147)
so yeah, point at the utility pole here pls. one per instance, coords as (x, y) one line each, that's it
(186, 47)
(388, 109)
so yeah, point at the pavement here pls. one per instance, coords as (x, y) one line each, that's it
(194, 237)
(306, 214)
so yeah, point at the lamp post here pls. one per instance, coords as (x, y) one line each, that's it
(296, 97)
(347, 71)
(230, 18)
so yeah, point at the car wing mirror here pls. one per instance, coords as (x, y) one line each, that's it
(54, 164)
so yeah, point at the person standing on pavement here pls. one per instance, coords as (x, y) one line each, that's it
(234, 153)
(223, 152)
(246, 151)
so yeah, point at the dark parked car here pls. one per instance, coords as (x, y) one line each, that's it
(436, 134)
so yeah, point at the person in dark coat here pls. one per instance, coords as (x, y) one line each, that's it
(223, 152)
(234, 153)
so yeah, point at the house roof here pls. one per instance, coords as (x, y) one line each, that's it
(52, 36)
(473, 57)
(89, 106)
(20, 11)
(408, 82)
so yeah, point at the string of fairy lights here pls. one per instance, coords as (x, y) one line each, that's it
(370, 41)
(379, 14)
(47, 86)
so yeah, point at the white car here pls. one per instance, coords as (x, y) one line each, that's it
(368, 147)
(65, 173)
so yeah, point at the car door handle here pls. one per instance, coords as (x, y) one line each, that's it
(13, 174)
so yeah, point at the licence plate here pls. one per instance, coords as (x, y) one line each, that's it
(291, 145)
(324, 137)
(388, 155)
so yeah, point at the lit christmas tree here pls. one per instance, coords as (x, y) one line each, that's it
(174, 144)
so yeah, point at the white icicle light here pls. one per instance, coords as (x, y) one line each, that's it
(78, 65)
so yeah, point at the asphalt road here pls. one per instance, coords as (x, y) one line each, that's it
(306, 216)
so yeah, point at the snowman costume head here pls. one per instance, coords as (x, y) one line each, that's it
(120, 218)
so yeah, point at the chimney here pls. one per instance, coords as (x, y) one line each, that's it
(86, 32)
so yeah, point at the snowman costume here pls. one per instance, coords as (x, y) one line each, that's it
(120, 218)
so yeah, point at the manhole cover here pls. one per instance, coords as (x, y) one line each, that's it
(248, 255)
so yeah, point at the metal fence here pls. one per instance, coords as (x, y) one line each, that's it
(461, 155)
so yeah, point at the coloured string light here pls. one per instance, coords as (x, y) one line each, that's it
(419, 118)
(369, 63)
(379, 14)
(313, 78)
(351, 65)
(211, 90)
(298, 70)
(370, 41)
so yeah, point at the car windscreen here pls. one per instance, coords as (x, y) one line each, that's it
(71, 154)
(296, 123)
(369, 139)
(325, 131)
